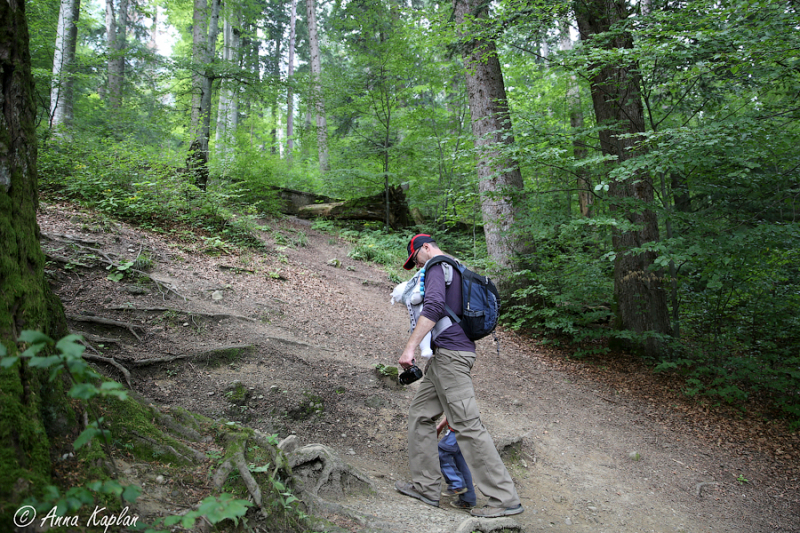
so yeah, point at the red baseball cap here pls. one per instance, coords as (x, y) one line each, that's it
(414, 245)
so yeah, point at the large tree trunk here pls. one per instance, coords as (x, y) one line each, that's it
(500, 177)
(116, 39)
(204, 38)
(289, 90)
(228, 113)
(26, 301)
(61, 98)
(199, 33)
(616, 96)
(583, 181)
(316, 87)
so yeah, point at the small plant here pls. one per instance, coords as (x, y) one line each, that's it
(301, 240)
(119, 271)
(143, 262)
(388, 371)
(742, 480)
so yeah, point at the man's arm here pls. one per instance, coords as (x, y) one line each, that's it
(424, 326)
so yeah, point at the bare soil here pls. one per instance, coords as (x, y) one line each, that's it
(608, 445)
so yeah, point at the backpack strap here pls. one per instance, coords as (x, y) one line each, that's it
(445, 322)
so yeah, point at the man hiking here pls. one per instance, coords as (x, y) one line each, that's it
(447, 389)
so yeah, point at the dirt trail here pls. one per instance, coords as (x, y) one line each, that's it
(594, 459)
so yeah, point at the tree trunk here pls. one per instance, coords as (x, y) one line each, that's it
(26, 301)
(500, 177)
(116, 39)
(227, 115)
(199, 33)
(583, 181)
(316, 87)
(204, 38)
(289, 90)
(616, 96)
(61, 97)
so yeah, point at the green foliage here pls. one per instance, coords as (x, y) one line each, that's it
(388, 371)
(215, 509)
(122, 180)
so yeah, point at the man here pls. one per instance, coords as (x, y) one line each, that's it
(447, 388)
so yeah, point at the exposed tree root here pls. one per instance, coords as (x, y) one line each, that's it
(64, 260)
(70, 239)
(209, 354)
(166, 448)
(112, 362)
(216, 316)
(107, 322)
(699, 487)
(97, 339)
(221, 474)
(247, 478)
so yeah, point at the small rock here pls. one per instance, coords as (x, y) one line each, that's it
(185, 324)
(216, 296)
(568, 521)
(160, 479)
(351, 451)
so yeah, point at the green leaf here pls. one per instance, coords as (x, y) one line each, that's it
(34, 337)
(84, 391)
(7, 362)
(44, 362)
(131, 493)
(70, 345)
(86, 435)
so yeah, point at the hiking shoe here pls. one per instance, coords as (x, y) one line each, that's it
(496, 512)
(408, 489)
(454, 492)
(461, 504)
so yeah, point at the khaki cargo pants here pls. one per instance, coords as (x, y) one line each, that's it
(447, 388)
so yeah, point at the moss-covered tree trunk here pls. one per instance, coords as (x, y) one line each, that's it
(26, 301)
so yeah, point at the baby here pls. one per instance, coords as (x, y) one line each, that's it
(410, 294)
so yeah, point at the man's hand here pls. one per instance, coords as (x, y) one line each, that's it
(424, 325)
(407, 359)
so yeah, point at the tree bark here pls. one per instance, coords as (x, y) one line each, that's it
(583, 181)
(228, 113)
(26, 301)
(316, 87)
(289, 89)
(204, 38)
(500, 177)
(116, 39)
(61, 95)
(616, 97)
(199, 33)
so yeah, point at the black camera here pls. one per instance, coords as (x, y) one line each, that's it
(410, 375)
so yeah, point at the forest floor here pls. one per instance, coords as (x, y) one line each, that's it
(608, 446)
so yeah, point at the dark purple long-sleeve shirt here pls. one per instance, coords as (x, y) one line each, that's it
(436, 293)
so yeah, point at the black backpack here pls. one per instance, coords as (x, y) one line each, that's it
(480, 308)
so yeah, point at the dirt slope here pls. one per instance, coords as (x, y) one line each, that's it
(596, 457)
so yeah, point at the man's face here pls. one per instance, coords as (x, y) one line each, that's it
(421, 256)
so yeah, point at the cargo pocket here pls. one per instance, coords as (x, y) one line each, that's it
(461, 403)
